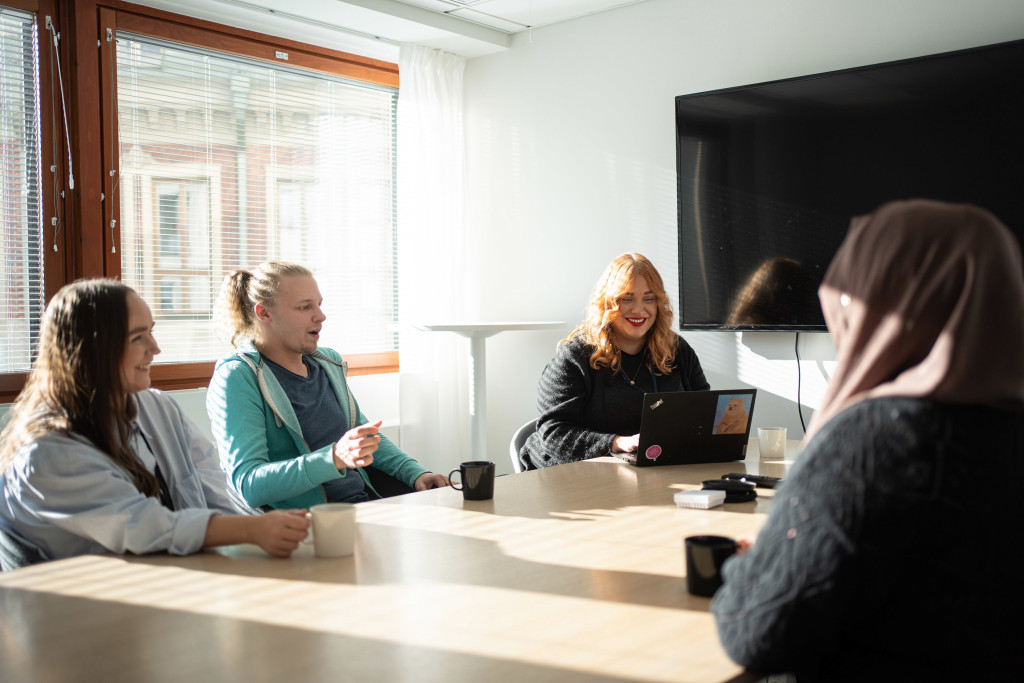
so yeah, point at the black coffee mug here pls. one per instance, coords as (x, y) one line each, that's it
(704, 558)
(477, 479)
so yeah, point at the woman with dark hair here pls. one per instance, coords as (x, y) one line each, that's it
(93, 460)
(590, 395)
(888, 553)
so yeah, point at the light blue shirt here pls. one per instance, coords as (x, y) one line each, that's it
(65, 497)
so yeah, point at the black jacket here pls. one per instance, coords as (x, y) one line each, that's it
(580, 409)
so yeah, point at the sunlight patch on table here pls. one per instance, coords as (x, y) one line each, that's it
(562, 632)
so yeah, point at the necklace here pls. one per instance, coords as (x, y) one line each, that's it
(632, 382)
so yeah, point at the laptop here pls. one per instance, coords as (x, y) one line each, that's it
(687, 427)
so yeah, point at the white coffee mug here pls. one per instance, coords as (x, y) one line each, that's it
(771, 442)
(333, 530)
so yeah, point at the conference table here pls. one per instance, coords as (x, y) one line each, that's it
(571, 573)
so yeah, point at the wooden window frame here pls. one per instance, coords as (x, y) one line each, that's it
(55, 264)
(88, 244)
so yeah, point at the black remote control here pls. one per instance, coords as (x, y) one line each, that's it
(760, 480)
(736, 491)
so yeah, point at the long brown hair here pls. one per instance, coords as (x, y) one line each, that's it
(603, 308)
(75, 386)
(234, 313)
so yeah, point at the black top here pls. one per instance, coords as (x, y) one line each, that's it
(580, 409)
(891, 551)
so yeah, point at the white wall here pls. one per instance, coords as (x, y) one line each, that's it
(571, 161)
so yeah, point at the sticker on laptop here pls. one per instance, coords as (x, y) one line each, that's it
(653, 452)
(732, 414)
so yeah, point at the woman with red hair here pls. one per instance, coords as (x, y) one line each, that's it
(590, 394)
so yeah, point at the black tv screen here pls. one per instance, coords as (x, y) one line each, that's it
(769, 175)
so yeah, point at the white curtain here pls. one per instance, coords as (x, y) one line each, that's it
(433, 385)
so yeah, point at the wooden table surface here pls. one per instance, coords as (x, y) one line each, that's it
(572, 573)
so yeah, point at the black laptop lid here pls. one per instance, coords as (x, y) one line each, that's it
(684, 427)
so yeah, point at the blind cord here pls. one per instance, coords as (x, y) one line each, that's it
(113, 123)
(63, 103)
(799, 406)
(56, 221)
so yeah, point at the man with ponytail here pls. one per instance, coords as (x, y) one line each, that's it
(289, 429)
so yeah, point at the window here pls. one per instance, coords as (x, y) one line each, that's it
(227, 161)
(196, 148)
(21, 301)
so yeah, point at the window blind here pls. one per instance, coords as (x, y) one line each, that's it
(21, 303)
(229, 162)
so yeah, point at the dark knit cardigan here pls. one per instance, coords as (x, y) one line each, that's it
(580, 409)
(892, 551)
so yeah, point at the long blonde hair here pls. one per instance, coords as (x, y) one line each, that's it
(75, 386)
(603, 308)
(234, 313)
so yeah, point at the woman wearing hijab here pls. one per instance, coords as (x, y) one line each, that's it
(888, 553)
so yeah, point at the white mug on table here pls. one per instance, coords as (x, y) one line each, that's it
(333, 531)
(771, 442)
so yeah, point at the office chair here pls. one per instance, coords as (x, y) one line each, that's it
(518, 439)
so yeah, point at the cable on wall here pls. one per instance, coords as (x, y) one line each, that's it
(799, 406)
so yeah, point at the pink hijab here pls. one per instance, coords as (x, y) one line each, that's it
(925, 299)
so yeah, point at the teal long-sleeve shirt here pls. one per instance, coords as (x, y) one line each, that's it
(260, 441)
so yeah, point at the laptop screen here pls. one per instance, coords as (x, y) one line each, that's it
(732, 414)
(683, 427)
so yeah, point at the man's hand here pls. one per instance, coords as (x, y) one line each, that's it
(429, 480)
(356, 448)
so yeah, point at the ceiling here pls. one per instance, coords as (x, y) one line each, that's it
(376, 28)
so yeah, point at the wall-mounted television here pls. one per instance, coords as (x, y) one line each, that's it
(770, 174)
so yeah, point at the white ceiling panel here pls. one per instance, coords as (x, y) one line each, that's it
(375, 28)
(527, 13)
(499, 23)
